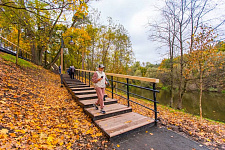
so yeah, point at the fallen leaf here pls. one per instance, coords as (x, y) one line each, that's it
(4, 131)
(129, 121)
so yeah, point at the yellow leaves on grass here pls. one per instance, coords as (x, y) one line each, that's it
(36, 113)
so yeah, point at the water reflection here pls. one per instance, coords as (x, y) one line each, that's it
(213, 104)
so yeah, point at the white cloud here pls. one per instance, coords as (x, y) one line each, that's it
(133, 15)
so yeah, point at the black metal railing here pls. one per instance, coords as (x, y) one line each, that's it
(11, 48)
(86, 75)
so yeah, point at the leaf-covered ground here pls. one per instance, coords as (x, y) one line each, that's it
(209, 133)
(36, 113)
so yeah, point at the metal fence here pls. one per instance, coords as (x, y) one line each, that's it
(85, 76)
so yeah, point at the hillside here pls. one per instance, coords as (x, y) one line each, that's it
(37, 113)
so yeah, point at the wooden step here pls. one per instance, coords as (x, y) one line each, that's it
(77, 86)
(75, 83)
(68, 81)
(111, 110)
(65, 76)
(116, 125)
(87, 96)
(82, 88)
(84, 92)
(89, 103)
(72, 82)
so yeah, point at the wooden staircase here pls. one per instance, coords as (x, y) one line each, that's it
(117, 120)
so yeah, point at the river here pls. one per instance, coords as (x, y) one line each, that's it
(213, 104)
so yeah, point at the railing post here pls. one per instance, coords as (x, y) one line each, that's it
(112, 85)
(155, 107)
(128, 98)
(78, 73)
(75, 73)
(82, 73)
(89, 74)
(85, 76)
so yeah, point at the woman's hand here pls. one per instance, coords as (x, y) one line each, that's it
(99, 79)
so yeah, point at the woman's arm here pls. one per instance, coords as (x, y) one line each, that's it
(95, 78)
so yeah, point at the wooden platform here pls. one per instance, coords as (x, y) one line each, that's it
(117, 120)
(122, 123)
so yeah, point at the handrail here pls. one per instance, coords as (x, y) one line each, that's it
(152, 80)
(22, 53)
(83, 75)
(10, 42)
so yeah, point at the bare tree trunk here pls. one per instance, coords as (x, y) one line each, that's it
(192, 27)
(171, 60)
(181, 73)
(54, 59)
(181, 55)
(200, 97)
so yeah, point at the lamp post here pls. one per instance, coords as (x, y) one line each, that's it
(62, 46)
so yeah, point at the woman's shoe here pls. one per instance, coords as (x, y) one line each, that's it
(96, 107)
(102, 111)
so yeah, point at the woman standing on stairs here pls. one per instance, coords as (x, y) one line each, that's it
(99, 80)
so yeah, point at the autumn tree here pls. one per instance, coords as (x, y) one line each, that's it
(179, 21)
(38, 20)
(202, 59)
(78, 51)
(110, 45)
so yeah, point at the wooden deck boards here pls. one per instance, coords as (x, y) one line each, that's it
(81, 88)
(89, 103)
(111, 110)
(84, 92)
(87, 96)
(119, 124)
(77, 86)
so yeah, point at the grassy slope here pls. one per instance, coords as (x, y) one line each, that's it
(37, 113)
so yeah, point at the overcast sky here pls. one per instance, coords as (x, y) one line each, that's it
(134, 16)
